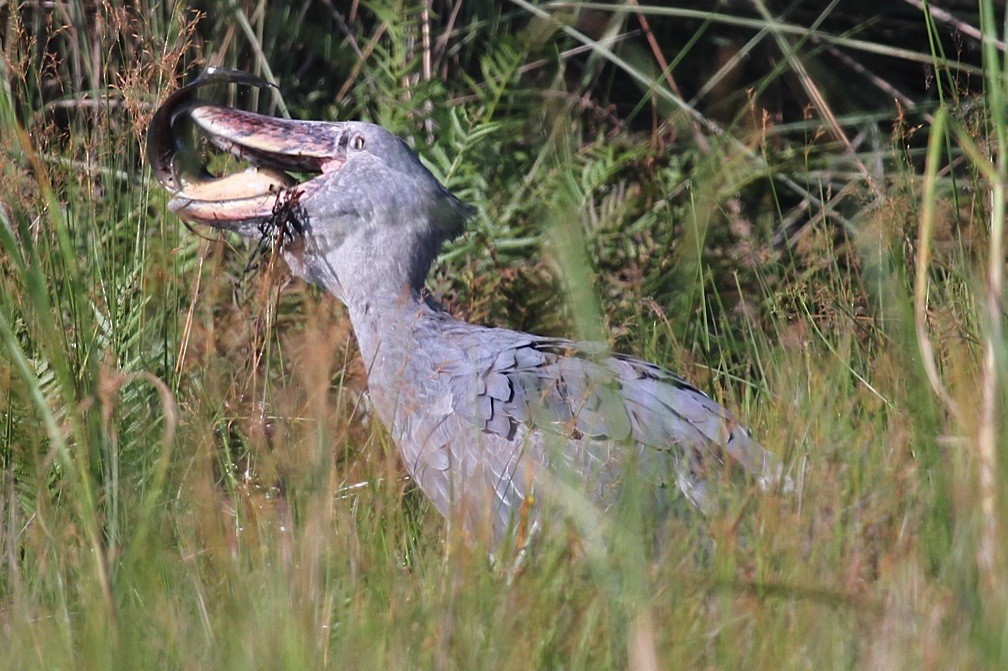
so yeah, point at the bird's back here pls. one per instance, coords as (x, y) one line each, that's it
(489, 420)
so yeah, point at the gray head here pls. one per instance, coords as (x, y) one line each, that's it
(369, 215)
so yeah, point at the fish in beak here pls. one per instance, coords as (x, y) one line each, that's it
(247, 201)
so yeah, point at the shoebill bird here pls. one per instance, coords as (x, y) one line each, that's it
(486, 420)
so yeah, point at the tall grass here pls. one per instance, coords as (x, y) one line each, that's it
(190, 474)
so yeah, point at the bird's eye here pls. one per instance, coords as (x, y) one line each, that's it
(357, 142)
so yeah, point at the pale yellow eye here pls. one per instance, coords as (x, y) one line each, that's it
(357, 142)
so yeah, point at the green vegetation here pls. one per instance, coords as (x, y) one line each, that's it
(801, 211)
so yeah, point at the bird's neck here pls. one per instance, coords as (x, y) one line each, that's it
(385, 326)
(393, 337)
(379, 273)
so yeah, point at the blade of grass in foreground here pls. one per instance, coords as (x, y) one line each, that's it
(45, 301)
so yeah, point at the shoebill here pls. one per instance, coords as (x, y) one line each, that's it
(494, 425)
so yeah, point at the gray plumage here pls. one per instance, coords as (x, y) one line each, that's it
(485, 419)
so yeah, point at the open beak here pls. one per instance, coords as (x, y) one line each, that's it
(246, 201)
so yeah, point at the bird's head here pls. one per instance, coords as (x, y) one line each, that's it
(344, 198)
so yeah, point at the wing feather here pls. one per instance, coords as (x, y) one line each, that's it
(593, 398)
